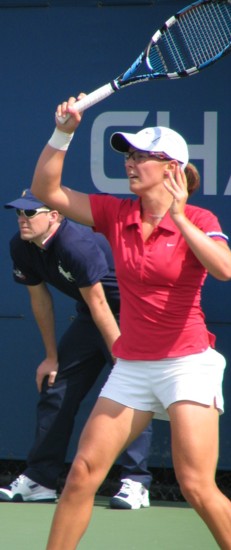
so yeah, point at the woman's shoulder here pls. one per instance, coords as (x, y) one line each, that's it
(112, 203)
(193, 211)
(203, 218)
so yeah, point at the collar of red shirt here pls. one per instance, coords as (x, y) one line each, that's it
(134, 217)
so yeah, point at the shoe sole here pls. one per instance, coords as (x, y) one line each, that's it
(19, 499)
(118, 504)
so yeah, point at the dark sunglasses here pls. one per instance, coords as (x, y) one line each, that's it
(31, 213)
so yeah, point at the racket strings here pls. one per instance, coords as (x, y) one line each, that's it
(193, 39)
(157, 60)
(172, 50)
(207, 30)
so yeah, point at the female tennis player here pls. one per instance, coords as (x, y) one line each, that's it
(166, 366)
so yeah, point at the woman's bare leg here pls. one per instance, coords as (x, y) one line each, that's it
(195, 451)
(110, 428)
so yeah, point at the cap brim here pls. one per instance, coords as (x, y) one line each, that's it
(24, 204)
(121, 141)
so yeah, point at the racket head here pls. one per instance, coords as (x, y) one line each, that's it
(189, 41)
(196, 37)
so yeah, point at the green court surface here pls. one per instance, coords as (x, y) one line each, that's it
(163, 526)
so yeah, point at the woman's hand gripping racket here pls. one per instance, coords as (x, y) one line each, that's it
(189, 41)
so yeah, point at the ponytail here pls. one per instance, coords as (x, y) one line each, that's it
(193, 178)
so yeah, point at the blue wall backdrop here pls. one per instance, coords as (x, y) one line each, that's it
(49, 51)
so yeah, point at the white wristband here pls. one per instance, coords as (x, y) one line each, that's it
(60, 140)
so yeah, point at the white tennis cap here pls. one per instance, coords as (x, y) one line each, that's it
(158, 139)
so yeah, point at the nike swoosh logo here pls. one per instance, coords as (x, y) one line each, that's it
(170, 244)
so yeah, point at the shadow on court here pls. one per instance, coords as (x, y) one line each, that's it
(163, 526)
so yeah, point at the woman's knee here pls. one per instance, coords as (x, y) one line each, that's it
(79, 474)
(84, 476)
(194, 489)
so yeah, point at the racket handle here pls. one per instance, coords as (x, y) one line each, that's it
(89, 100)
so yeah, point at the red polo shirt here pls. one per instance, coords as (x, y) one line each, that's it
(160, 281)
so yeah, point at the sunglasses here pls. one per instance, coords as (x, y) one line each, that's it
(141, 156)
(31, 213)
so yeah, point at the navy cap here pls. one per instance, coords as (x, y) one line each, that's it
(27, 201)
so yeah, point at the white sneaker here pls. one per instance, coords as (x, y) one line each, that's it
(24, 489)
(131, 496)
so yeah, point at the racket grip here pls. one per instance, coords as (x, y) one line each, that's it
(89, 100)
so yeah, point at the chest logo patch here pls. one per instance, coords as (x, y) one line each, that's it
(66, 274)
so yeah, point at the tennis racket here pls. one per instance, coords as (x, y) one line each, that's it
(189, 41)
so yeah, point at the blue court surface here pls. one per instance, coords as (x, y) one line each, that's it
(163, 526)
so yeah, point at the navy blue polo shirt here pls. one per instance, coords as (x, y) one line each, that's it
(74, 257)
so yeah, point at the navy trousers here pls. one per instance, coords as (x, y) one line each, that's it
(82, 357)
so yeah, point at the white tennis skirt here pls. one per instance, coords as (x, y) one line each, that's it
(155, 385)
